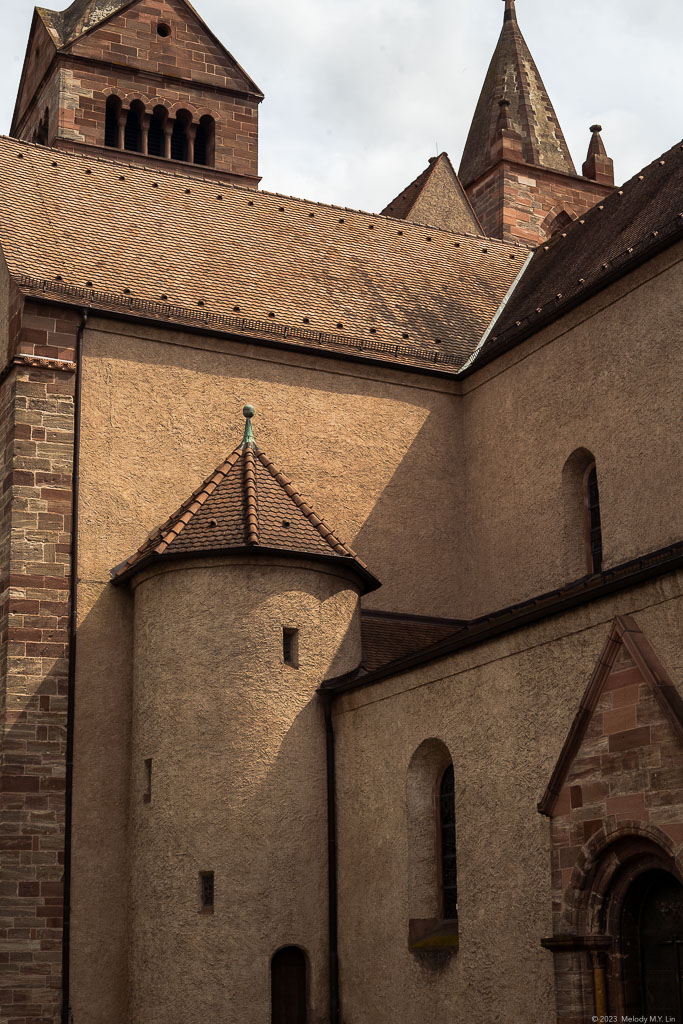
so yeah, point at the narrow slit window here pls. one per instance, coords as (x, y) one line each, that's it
(206, 891)
(593, 524)
(449, 874)
(290, 646)
(147, 796)
(111, 125)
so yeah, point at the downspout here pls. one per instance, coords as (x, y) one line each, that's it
(71, 674)
(332, 860)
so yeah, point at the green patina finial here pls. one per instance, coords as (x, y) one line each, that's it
(248, 413)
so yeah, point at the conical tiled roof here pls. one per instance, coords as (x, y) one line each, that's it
(513, 75)
(247, 504)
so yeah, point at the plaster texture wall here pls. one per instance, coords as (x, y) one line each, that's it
(238, 783)
(608, 378)
(503, 709)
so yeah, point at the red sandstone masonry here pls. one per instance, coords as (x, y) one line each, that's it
(127, 57)
(36, 419)
(519, 204)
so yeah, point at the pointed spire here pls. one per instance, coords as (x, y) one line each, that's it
(248, 440)
(513, 74)
(598, 166)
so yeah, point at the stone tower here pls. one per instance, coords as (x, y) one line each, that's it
(516, 166)
(244, 600)
(145, 78)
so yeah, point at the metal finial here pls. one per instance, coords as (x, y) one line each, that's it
(248, 412)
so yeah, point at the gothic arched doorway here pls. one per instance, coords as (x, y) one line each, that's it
(652, 947)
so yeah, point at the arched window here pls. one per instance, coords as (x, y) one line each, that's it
(157, 123)
(449, 873)
(132, 136)
(111, 123)
(432, 872)
(582, 526)
(561, 221)
(205, 141)
(180, 141)
(288, 986)
(593, 527)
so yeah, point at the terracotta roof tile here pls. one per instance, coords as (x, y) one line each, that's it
(387, 636)
(246, 503)
(396, 294)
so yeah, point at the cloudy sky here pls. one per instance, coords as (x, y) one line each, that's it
(359, 93)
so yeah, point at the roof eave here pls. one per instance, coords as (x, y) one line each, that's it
(122, 574)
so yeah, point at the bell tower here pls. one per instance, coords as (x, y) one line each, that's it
(146, 79)
(516, 167)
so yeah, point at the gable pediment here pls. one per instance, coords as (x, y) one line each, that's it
(629, 705)
(126, 32)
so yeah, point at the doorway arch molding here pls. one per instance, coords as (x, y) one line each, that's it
(605, 868)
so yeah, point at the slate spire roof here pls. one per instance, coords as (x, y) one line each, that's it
(246, 505)
(513, 75)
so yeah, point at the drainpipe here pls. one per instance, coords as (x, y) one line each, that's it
(600, 986)
(71, 675)
(332, 860)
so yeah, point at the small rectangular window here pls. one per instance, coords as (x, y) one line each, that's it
(206, 892)
(290, 646)
(147, 797)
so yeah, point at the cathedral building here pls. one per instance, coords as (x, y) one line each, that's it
(383, 724)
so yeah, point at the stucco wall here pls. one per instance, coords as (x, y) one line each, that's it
(238, 783)
(608, 378)
(503, 709)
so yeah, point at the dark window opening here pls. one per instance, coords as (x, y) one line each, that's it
(593, 520)
(290, 647)
(449, 875)
(206, 891)
(204, 143)
(42, 135)
(163, 30)
(111, 124)
(288, 987)
(179, 141)
(148, 781)
(132, 135)
(155, 139)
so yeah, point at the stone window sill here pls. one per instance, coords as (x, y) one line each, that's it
(433, 934)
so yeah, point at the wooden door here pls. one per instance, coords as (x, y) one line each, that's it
(288, 986)
(661, 949)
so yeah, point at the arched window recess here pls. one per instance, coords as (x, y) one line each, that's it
(582, 516)
(432, 866)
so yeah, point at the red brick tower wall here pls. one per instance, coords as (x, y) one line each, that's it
(36, 410)
(127, 57)
(519, 203)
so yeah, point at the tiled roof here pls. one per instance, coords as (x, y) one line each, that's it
(513, 75)
(624, 228)
(401, 206)
(437, 196)
(176, 248)
(247, 504)
(387, 636)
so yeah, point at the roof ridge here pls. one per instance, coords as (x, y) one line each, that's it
(251, 494)
(307, 511)
(176, 522)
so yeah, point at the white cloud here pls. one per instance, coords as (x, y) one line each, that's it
(360, 92)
